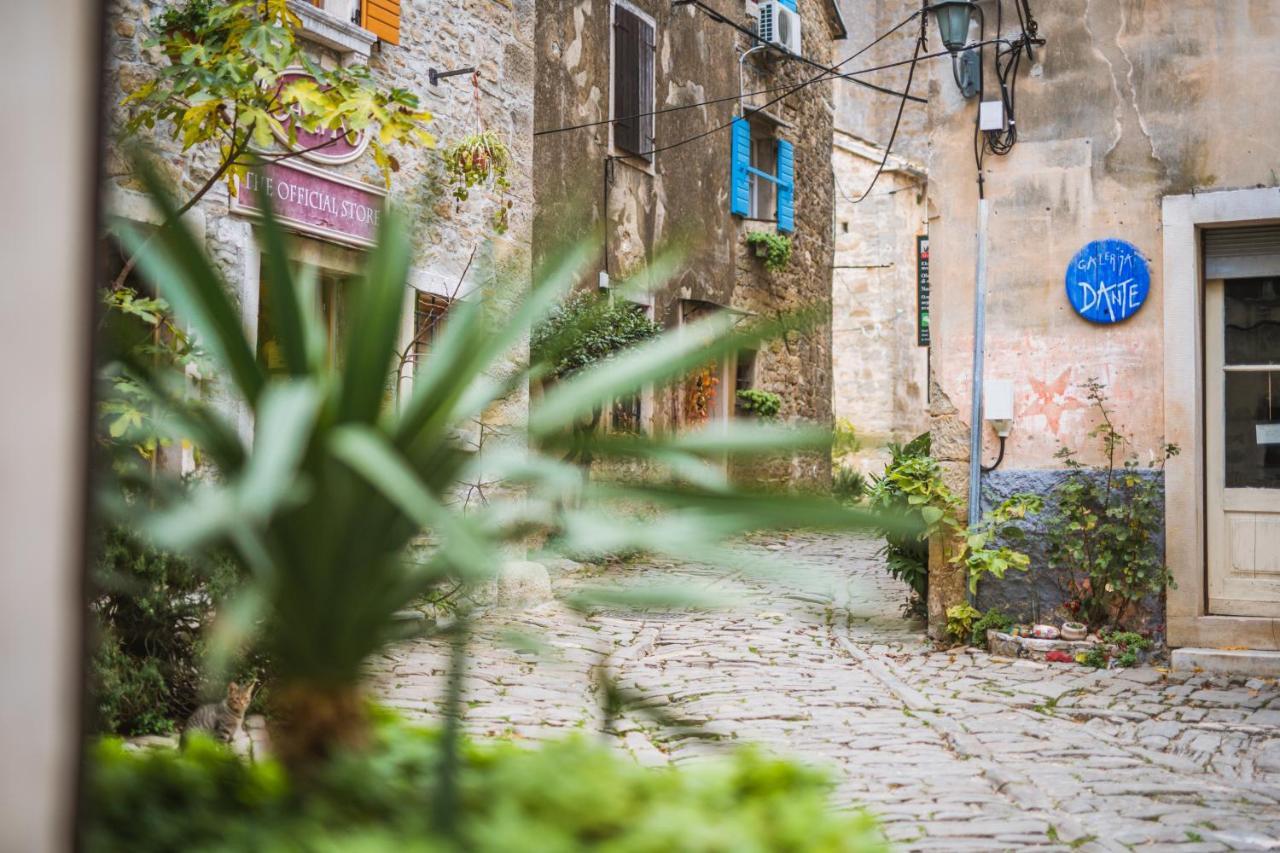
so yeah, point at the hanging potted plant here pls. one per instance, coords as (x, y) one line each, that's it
(480, 159)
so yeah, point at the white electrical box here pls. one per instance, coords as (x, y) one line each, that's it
(991, 115)
(997, 400)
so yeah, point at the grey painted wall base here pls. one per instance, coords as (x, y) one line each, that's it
(1039, 594)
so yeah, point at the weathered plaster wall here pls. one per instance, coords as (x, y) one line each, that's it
(1128, 101)
(1040, 594)
(879, 370)
(870, 114)
(682, 198)
(496, 38)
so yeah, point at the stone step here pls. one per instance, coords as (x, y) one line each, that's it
(1227, 661)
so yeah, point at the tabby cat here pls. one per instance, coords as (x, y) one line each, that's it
(221, 719)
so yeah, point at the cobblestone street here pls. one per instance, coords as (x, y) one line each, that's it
(954, 750)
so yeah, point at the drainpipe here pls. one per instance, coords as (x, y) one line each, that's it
(979, 343)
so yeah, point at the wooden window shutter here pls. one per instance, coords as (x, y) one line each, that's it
(382, 18)
(633, 53)
(646, 100)
(786, 187)
(626, 80)
(739, 162)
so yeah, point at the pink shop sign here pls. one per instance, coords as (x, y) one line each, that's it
(315, 203)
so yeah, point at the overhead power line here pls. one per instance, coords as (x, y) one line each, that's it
(826, 74)
(719, 18)
(720, 100)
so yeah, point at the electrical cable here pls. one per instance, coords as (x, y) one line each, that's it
(893, 135)
(719, 18)
(820, 78)
(710, 101)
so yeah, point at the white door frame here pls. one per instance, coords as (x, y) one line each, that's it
(1184, 217)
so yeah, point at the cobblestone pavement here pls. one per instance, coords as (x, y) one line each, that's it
(954, 750)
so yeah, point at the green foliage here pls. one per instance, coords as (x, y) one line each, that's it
(960, 621)
(844, 439)
(848, 484)
(774, 248)
(1103, 538)
(151, 608)
(1117, 648)
(225, 86)
(763, 404)
(322, 504)
(480, 159)
(586, 329)
(983, 550)
(568, 795)
(993, 619)
(143, 329)
(912, 487)
(911, 483)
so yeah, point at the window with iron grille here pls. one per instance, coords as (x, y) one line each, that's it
(428, 320)
(633, 85)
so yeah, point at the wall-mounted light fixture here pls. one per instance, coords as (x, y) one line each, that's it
(953, 18)
(997, 408)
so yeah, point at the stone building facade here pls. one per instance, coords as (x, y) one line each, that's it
(879, 304)
(668, 182)
(879, 296)
(457, 248)
(1150, 124)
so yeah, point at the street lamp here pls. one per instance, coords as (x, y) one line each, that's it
(953, 17)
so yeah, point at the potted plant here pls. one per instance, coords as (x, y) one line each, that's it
(1074, 630)
(775, 249)
(480, 159)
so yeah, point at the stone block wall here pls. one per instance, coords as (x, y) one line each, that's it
(681, 200)
(454, 243)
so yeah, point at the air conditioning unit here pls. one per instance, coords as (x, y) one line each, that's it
(779, 26)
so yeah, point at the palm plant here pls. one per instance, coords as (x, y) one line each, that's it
(322, 505)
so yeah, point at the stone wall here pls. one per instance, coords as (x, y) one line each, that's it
(880, 372)
(1127, 102)
(681, 200)
(1040, 593)
(495, 38)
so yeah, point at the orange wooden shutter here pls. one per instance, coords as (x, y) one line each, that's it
(382, 18)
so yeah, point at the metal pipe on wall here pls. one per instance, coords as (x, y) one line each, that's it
(979, 358)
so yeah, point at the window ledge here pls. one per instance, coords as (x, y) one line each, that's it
(322, 28)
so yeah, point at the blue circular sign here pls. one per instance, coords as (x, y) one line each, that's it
(1107, 281)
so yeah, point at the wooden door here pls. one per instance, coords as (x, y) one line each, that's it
(1242, 429)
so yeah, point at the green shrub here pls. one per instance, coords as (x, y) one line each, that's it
(1101, 537)
(960, 621)
(911, 482)
(562, 796)
(763, 404)
(848, 484)
(992, 619)
(587, 328)
(150, 609)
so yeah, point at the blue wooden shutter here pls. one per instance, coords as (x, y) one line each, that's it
(786, 186)
(740, 161)
(790, 4)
